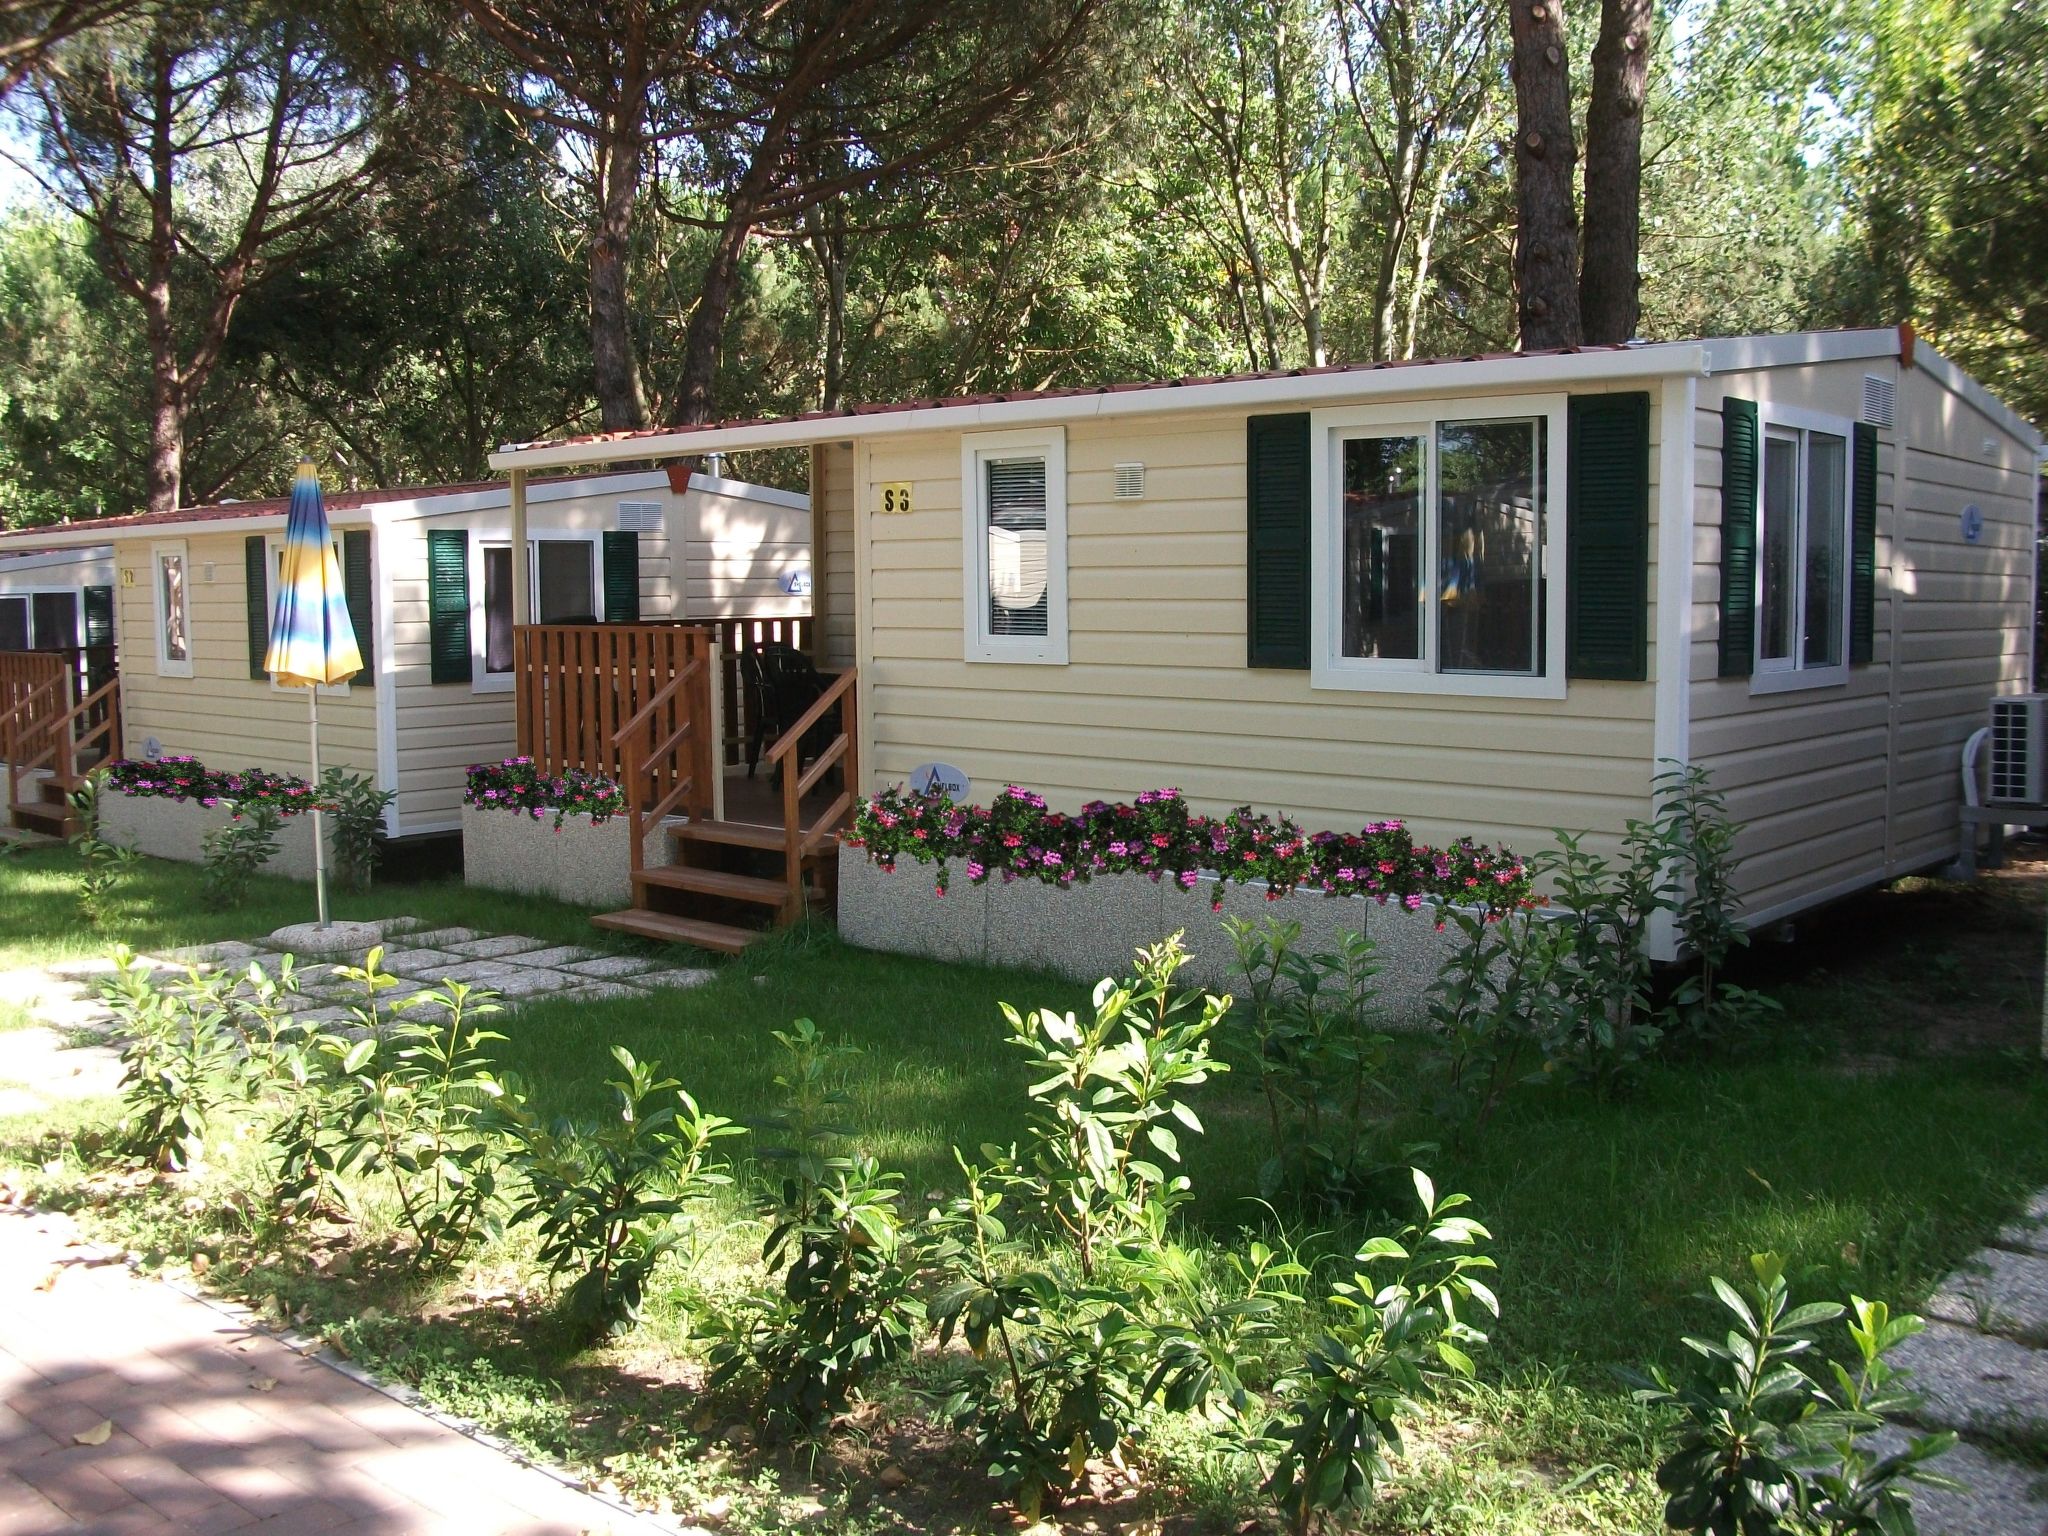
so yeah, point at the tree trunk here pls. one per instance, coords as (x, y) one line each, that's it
(1609, 280)
(166, 475)
(707, 323)
(621, 402)
(1546, 220)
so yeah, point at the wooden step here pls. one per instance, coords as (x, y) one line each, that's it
(679, 930)
(43, 816)
(57, 791)
(740, 834)
(716, 883)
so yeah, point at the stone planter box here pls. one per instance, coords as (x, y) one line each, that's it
(177, 829)
(1089, 931)
(585, 864)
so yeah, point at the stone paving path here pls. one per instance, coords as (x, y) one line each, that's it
(519, 969)
(1982, 1370)
(127, 1406)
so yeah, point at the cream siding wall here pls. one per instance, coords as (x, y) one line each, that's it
(736, 550)
(1157, 691)
(832, 498)
(220, 714)
(1851, 784)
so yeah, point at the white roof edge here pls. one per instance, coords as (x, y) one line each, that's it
(1731, 354)
(1650, 360)
(746, 490)
(2008, 419)
(72, 554)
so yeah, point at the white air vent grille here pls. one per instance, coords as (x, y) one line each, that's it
(2019, 750)
(1879, 400)
(639, 517)
(1130, 482)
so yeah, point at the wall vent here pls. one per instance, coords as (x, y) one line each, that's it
(1880, 396)
(640, 517)
(1130, 482)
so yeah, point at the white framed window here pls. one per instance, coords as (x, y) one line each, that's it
(1435, 530)
(170, 573)
(1013, 499)
(562, 578)
(1802, 551)
(41, 619)
(14, 628)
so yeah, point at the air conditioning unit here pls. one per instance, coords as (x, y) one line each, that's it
(2019, 750)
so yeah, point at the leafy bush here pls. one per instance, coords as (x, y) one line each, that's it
(106, 863)
(1019, 837)
(1391, 1339)
(1774, 1437)
(417, 1108)
(1311, 1037)
(177, 1059)
(1602, 972)
(606, 1199)
(844, 1302)
(516, 785)
(1496, 1006)
(1695, 837)
(356, 806)
(234, 853)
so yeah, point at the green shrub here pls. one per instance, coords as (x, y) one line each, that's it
(355, 807)
(177, 1059)
(1774, 1437)
(1497, 1007)
(1310, 1031)
(1697, 840)
(106, 863)
(606, 1199)
(839, 1299)
(235, 852)
(1390, 1340)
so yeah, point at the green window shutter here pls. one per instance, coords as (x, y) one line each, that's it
(357, 586)
(256, 582)
(448, 604)
(1607, 537)
(1739, 451)
(1863, 543)
(99, 616)
(622, 578)
(1277, 555)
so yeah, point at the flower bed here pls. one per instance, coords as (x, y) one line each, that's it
(188, 779)
(516, 785)
(1158, 836)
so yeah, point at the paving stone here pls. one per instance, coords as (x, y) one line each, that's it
(1978, 1384)
(441, 938)
(327, 1018)
(533, 984)
(228, 952)
(75, 1013)
(54, 1068)
(2029, 1230)
(391, 926)
(1996, 1291)
(1999, 1497)
(678, 978)
(496, 948)
(335, 939)
(559, 955)
(84, 966)
(478, 973)
(424, 962)
(611, 965)
(594, 992)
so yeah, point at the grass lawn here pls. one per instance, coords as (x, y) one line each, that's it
(1896, 1117)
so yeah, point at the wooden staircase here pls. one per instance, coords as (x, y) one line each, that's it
(727, 887)
(48, 741)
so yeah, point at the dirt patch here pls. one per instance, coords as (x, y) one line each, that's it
(1920, 966)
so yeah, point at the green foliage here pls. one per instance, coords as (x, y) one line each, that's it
(606, 1199)
(416, 1109)
(106, 864)
(1313, 1043)
(354, 808)
(1392, 1338)
(177, 1059)
(1601, 974)
(236, 851)
(1496, 1006)
(1696, 839)
(839, 1300)
(1775, 1437)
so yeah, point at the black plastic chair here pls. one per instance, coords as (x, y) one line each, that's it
(780, 683)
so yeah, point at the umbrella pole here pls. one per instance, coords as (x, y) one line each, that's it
(319, 834)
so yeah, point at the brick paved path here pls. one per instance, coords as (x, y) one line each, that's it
(211, 1427)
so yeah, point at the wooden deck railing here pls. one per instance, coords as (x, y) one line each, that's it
(665, 755)
(798, 840)
(579, 685)
(41, 728)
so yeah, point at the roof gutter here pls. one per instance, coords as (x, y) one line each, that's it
(1658, 360)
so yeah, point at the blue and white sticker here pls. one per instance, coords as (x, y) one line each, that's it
(797, 583)
(938, 779)
(1973, 523)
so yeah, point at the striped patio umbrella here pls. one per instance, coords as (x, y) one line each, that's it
(312, 642)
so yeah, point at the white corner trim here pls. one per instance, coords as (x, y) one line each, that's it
(381, 543)
(1671, 732)
(976, 448)
(1394, 381)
